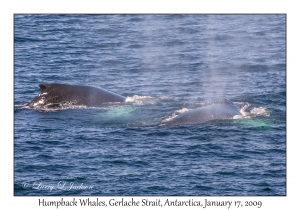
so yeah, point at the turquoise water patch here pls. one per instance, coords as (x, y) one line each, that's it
(260, 124)
(115, 115)
(121, 111)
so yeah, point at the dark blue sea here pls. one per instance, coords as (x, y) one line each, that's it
(164, 65)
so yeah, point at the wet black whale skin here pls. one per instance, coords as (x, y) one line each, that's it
(64, 94)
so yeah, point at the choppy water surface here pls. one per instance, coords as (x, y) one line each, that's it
(164, 65)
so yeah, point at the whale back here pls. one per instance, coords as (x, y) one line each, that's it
(223, 109)
(64, 94)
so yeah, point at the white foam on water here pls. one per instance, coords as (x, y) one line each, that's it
(141, 100)
(240, 117)
(175, 114)
(260, 111)
(41, 101)
(43, 94)
(253, 112)
(244, 113)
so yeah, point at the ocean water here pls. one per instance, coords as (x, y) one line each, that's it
(164, 65)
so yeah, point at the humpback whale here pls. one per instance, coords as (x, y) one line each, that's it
(222, 109)
(57, 95)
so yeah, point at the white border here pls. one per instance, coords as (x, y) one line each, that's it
(10, 7)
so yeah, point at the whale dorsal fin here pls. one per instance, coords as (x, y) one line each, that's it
(43, 87)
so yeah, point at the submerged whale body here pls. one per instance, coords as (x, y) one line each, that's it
(56, 95)
(223, 109)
